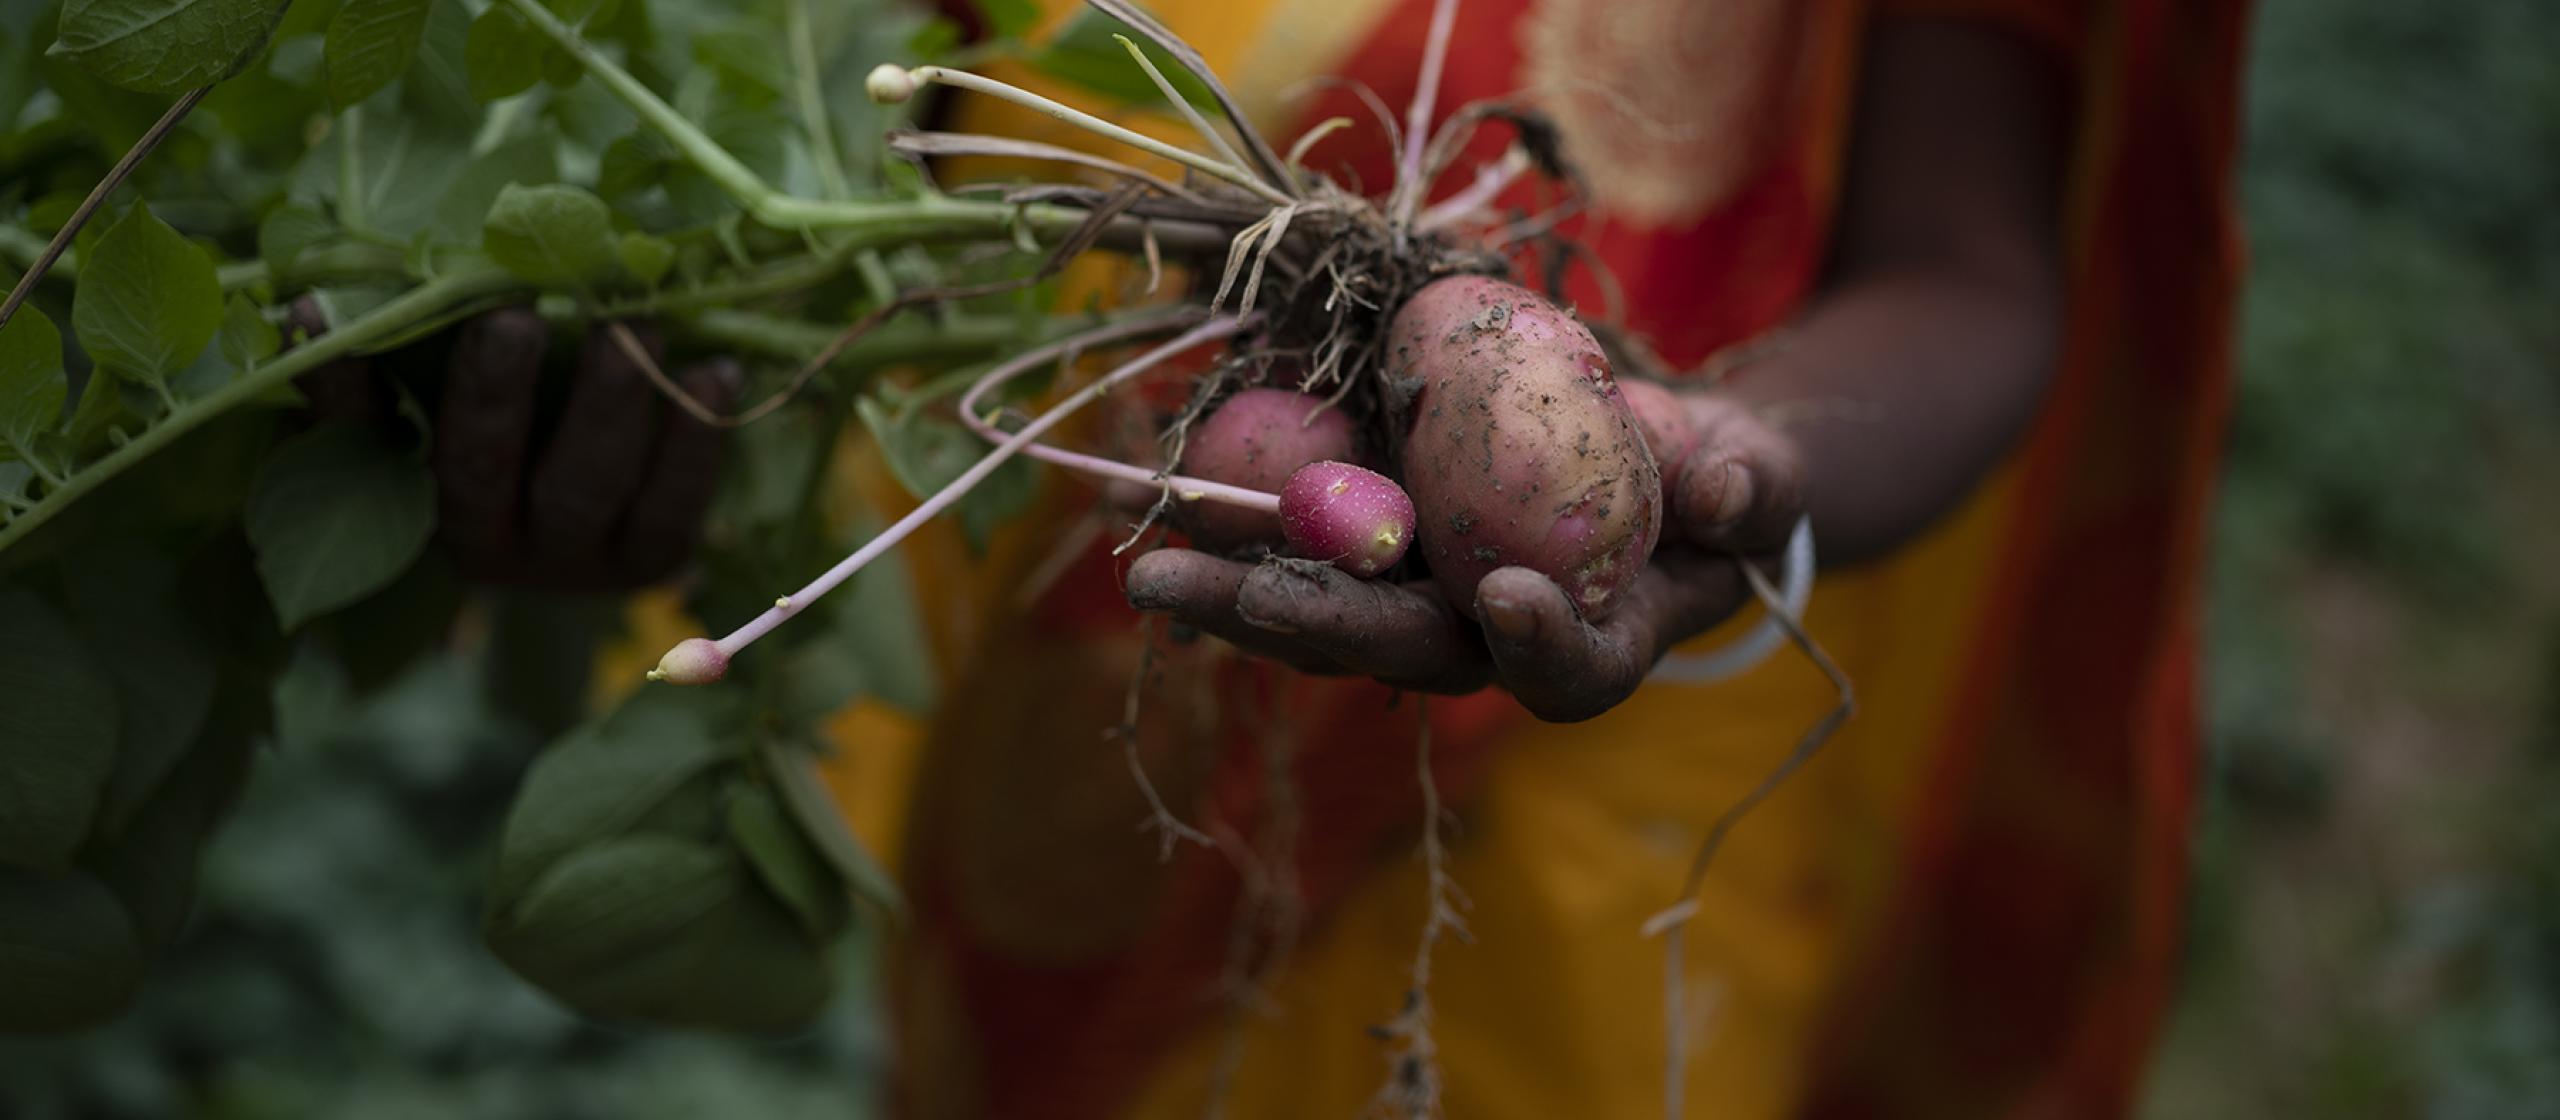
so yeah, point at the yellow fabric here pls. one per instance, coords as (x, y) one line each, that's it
(1580, 832)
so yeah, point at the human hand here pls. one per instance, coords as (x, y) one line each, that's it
(1738, 491)
(609, 496)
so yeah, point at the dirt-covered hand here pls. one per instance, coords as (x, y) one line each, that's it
(592, 481)
(1740, 491)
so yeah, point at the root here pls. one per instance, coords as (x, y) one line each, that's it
(1673, 921)
(1413, 1060)
(1169, 829)
(1264, 935)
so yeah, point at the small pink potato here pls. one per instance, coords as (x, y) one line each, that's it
(1665, 424)
(1351, 517)
(1522, 449)
(1256, 440)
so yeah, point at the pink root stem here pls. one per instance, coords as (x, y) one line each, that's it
(1490, 182)
(1207, 331)
(1426, 96)
(1185, 487)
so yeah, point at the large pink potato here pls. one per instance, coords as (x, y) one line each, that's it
(1522, 448)
(1257, 439)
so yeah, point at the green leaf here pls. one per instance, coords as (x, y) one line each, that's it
(67, 950)
(370, 44)
(100, 409)
(795, 777)
(32, 385)
(503, 54)
(1009, 19)
(334, 516)
(438, 84)
(927, 454)
(406, 164)
(165, 46)
(647, 257)
(1087, 53)
(123, 600)
(786, 862)
(552, 234)
(148, 301)
(530, 160)
(661, 929)
(57, 734)
(285, 232)
(247, 337)
(603, 777)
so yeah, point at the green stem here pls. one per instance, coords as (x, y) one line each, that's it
(697, 147)
(457, 286)
(869, 224)
(894, 343)
(813, 102)
(350, 168)
(315, 267)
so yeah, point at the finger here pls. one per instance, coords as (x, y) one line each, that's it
(1564, 669)
(344, 389)
(683, 472)
(596, 459)
(482, 428)
(1742, 489)
(1406, 636)
(1199, 590)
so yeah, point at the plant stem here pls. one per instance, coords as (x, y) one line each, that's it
(387, 321)
(813, 102)
(1184, 488)
(1409, 187)
(115, 177)
(958, 488)
(350, 129)
(349, 261)
(962, 79)
(698, 148)
(869, 224)
(894, 343)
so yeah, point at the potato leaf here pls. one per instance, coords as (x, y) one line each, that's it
(786, 862)
(55, 753)
(247, 337)
(603, 778)
(32, 386)
(334, 516)
(165, 46)
(502, 54)
(285, 232)
(370, 44)
(552, 234)
(148, 301)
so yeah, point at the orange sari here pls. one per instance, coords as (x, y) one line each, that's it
(1968, 907)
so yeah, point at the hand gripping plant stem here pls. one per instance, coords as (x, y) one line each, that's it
(701, 661)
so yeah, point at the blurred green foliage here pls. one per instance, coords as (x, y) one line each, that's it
(2378, 927)
(335, 965)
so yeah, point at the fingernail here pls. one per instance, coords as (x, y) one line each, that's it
(1149, 597)
(1509, 622)
(1733, 493)
(1274, 625)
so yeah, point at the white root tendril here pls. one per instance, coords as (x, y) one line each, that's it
(1673, 921)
